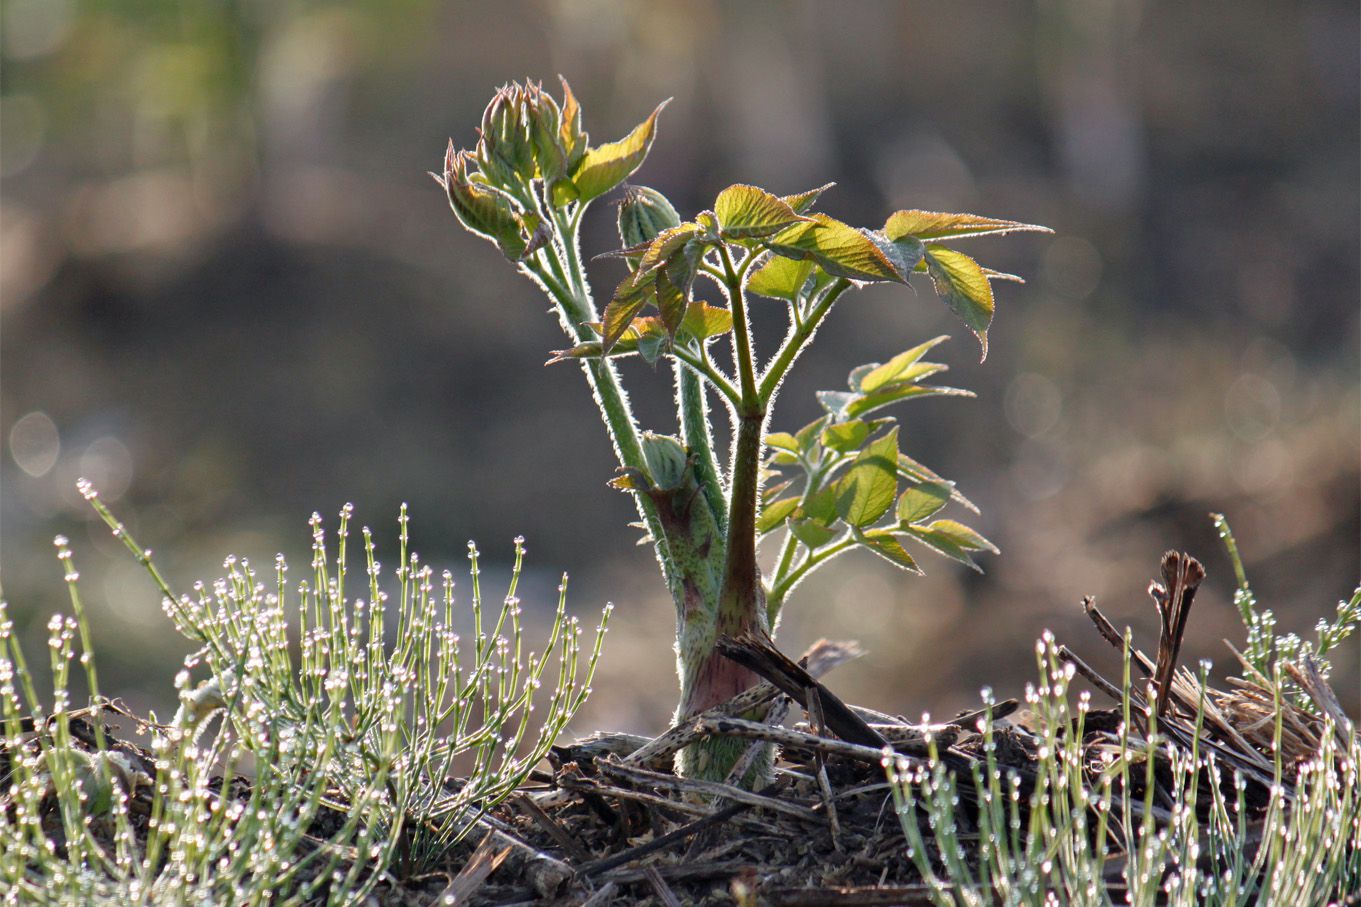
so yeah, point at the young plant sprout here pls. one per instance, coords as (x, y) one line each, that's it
(526, 185)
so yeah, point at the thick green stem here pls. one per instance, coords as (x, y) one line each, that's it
(707, 677)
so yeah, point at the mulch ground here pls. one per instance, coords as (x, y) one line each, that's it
(608, 822)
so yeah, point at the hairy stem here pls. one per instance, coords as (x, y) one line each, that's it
(698, 439)
(575, 308)
(785, 560)
(783, 586)
(801, 331)
(707, 677)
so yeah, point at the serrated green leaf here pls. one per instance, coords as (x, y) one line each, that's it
(665, 246)
(773, 514)
(782, 440)
(803, 202)
(629, 298)
(808, 435)
(835, 402)
(883, 543)
(897, 392)
(812, 533)
(894, 369)
(820, 506)
(671, 302)
(922, 501)
(960, 281)
(858, 374)
(904, 254)
(844, 437)
(909, 468)
(780, 278)
(771, 492)
(841, 250)
(866, 491)
(942, 545)
(591, 349)
(939, 225)
(651, 347)
(703, 321)
(603, 168)
(745, 212)
(574, 139)
(961, 535)
(684, 267)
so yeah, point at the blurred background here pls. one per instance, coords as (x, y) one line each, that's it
(231, 296)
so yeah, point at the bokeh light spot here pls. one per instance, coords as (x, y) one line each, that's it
(35, 444)
(34, 28)
(1033, 404)
(108, 465)
(1072, 267)
(1252, 407)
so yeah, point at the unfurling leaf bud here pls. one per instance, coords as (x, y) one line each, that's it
(480, 208)
(643, 214)
(505, 153)
(545, 133)
(667, 460)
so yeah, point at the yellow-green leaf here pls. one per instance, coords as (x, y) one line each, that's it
(808, 435)
(773, 514)
(939, 225)
(866, 491)
(845, 436)
(780, 277)
(746, 211)
(812, 533)
(961, 535)
(803, 202)
(942, 544)
(821, 505)
(883, 543)
(895, 368)
(783, 440)
(841, 250)
(666, 244)
(922, 501)
(574, 139)
(703, 321)
(603, 168)
(960, 281)
(863, 406)
(629, 299)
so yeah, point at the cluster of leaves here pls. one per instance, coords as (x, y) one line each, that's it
(1264, 646)
(841, 473)
(532, 156)
(807, 253)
